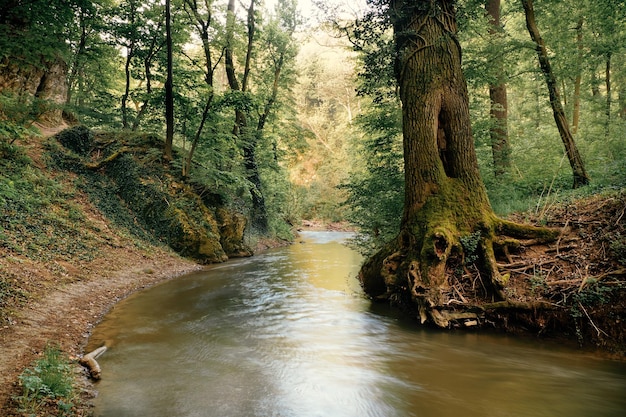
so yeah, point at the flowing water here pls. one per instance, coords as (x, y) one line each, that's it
(289, 333)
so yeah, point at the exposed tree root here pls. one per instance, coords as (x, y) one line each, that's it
(453, 279)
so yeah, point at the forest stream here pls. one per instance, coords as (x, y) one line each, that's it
(290, 333)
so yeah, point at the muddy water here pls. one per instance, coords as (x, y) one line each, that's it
(289, 333)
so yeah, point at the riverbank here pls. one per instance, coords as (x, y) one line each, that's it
(65, 313)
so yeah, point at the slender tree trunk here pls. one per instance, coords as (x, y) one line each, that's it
(77, 64)
(579, 75)
(130, 53)
(607, 80)
(196, 139)
(169, 93)
(147, 65)
(202, 25)
(595, 83)
(500, 147)
(129, 56)
(258, 218)
(146, 101)
(622, 103)
(578, 168)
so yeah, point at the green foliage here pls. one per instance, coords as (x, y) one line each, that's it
(470, 247)
(618, 248)
(35, 218)
(35, 31)
(593, 294)
(78, 139)
(376, 186)
(49, 381)
(17, 114)
(538, 284)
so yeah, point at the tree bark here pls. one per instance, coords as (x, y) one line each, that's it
(500, 147)
(578, 167)
(609, 93)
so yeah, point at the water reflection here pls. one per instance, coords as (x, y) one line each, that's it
(289, 333)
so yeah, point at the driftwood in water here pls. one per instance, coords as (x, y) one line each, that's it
(89, 362)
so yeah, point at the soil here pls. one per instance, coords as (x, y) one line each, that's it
(579, 281)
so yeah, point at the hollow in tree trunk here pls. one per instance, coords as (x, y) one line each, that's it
(447, 215)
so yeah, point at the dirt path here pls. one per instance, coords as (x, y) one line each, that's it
(66, 315)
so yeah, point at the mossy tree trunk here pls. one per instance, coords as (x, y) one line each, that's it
(445, 199)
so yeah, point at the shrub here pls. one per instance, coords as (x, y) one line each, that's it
(49, 381)
(78, 139)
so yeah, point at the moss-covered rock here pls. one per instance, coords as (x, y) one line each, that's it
(232, 227)
(193, 238)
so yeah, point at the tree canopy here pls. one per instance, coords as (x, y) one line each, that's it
(266, 113)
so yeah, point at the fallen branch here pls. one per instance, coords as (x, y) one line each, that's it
(563, 249)
(519, 305)
(600, 331)
(595, 278)
(524, 266)
(89, 362)
(97, 165)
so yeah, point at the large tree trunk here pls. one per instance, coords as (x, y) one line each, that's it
(500, 147)
(578, 167)
(446, 203)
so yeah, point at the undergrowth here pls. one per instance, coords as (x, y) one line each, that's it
(38, 219)
(48, 383)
